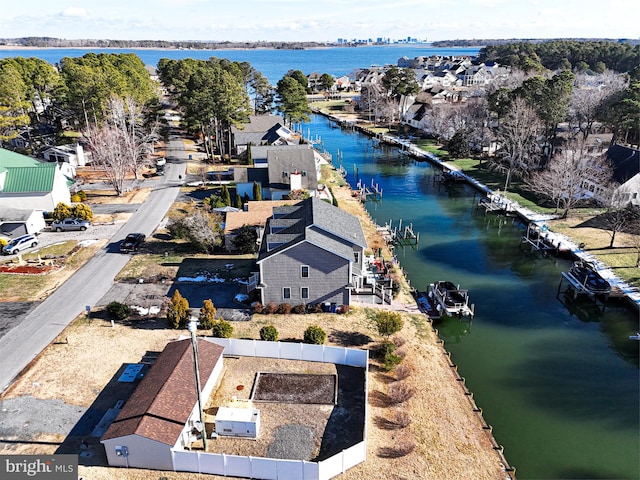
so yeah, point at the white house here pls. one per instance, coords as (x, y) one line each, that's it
(28, 184)
(15, 222)
(72, 154)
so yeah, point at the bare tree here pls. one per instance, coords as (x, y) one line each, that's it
(121, 145)
(126, 116)
(571, 176)
(107, 149)
(517, 136)
(590, 98)
(439, 121)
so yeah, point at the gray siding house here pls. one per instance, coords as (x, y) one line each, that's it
(311, 253)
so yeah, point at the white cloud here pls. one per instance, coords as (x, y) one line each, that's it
(74, 12)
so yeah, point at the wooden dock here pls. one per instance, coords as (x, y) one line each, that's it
(366, 192)
(494, 204)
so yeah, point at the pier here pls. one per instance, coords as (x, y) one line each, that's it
(366, 192)
(537, 239)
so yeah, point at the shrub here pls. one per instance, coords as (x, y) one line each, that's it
(119, 310)
(284, 308)
(222, 329)
(83, 211)
(315, 335)
(343, 309)
(82, 194)
(402, 419)
(385, 349)
(269, 333)
(258, 307)
(299, 309)
(75, 198)
(402, 372)
(61, 211)
(270, 308)
(388, 322)
(178, 311)
(207, 315)
(400, 392)
(391, 361)
(178, 229)
(399, 341)
(3, 242)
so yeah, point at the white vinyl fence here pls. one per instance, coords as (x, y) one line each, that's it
(272, 468)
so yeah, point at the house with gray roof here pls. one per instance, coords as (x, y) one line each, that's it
(626, 174)
(311, 253)
(262, 130)
(279, 170)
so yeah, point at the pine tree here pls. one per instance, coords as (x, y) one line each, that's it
(178, 313)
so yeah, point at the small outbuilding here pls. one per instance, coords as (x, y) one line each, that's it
(238, 422)
(160, 414)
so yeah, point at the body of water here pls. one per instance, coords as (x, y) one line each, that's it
(558, 381)
(273, 64)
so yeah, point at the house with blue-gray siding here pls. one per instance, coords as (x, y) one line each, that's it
(311, 253)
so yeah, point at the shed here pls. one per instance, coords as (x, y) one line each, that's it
(238, 422)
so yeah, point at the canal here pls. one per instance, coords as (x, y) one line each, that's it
(557, 380)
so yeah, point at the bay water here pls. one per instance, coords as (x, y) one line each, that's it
(558, 381)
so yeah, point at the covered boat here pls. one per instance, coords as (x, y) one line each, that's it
(587, 276)
(449, 299)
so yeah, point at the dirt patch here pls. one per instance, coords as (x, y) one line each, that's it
(28, 269)
(295, 388)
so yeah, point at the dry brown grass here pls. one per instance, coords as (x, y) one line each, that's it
(448, 436)
(27, 288)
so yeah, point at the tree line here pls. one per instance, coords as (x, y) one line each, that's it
(574, 55)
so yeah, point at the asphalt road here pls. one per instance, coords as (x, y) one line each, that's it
(20, 345)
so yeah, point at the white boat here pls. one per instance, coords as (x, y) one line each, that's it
(450, 300)
(635, 337)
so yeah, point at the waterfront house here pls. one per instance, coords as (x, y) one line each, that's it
(279, 170)
(262, 130)
(626, 174)
(311, 253)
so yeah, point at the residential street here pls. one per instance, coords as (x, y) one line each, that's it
(28, 337)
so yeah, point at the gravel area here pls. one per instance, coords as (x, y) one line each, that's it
(293, 442)
(54, 417)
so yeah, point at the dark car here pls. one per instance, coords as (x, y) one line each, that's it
(132, 242)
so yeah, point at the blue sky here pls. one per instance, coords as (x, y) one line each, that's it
(319, 20)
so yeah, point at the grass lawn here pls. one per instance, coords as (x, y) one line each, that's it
(25, 288)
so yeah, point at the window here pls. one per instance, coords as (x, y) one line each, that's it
(286, 292)
(304, 293)
(356, 256)
(304, 271)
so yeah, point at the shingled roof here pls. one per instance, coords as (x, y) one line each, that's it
(161, 404)
(315, 221)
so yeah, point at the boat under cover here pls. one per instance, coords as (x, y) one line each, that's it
(586, 274)
(450, 299)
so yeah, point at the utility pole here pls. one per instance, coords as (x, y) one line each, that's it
(192, 327)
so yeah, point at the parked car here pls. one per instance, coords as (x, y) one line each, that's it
(20, 243)
(70, 224)
(132, 242)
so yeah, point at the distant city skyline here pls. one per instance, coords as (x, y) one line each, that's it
(319, 20)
